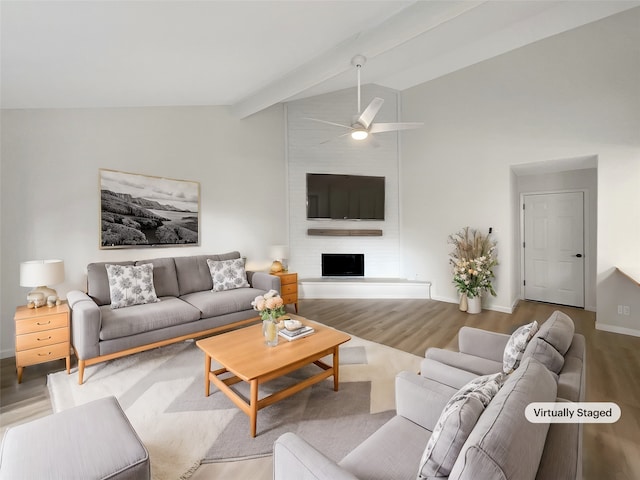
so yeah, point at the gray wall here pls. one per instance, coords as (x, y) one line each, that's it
(572, 95)
(50, 194)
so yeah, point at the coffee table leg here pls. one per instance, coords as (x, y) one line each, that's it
(336, 369)
(207, 369)
(253, 407)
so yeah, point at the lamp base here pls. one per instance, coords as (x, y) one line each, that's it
(276, 267)
(39, 295)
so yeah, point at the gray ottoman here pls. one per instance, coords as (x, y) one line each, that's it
(91, 441)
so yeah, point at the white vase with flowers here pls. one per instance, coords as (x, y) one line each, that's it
(473, 259)
(271, 307)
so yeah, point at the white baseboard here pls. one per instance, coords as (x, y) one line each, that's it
(363, 288)
(494, 308)
(616, 329)
(7, 353)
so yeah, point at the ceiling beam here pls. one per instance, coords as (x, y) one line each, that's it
(410, 22)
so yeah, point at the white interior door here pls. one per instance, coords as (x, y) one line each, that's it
(553, 248)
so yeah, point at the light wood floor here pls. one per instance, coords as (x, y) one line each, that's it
(613, 366)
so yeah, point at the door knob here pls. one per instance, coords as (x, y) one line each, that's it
(579, 255)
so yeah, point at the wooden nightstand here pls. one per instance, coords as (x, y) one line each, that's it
(289, 288)
(42, 335)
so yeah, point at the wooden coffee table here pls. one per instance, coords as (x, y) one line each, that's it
(244, 354)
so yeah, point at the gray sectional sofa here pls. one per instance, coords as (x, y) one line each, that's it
(187, 308)
(492, 441)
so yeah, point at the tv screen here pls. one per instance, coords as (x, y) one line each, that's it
(345, 197)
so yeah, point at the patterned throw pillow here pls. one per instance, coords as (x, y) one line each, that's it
(131, 285)
(516, 346)
(227, 274)
(456, 421)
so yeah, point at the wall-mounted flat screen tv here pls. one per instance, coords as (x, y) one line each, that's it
(345, 197)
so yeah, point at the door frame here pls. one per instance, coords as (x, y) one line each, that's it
(586, 213)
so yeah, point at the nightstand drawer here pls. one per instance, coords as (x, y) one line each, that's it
(41, 339)
(44, 322)
(288, 278)
(42, 354)
(287, 299)
(287, 289)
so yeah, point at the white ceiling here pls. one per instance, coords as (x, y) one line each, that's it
(253, 54)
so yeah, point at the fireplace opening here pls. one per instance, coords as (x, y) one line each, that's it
(343, 264)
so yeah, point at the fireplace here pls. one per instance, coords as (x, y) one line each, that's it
(343, 264)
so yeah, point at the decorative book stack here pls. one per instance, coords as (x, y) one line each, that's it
(297, 333)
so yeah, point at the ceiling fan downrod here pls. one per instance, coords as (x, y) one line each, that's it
(358, 61)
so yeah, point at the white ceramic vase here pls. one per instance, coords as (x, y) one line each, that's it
(463, 302)
(474, 304)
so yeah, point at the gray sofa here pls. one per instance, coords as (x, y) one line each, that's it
(188, 308)
(500, 443)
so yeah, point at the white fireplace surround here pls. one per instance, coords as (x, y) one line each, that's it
(363, 287)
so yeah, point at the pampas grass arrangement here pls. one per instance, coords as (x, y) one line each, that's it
(473, 259)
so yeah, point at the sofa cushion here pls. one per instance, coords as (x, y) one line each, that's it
(212, 304)
(552, 341)
(456, 421)
(193, 272)
(504, 444)
(545, 354)
(98, 281)
(122, 322)
(516, 345)
(227, 274)
(393, 451)
(165, 279)
(130, 285)
(557, 331)
(562, 454)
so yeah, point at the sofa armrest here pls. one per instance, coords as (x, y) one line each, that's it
(263, 281)
(86, 322)
(420, 399)
(295, 459)
(482, 343)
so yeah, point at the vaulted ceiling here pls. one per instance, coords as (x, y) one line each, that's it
(253, 54)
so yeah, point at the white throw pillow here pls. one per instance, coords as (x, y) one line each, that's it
(457, 420)
(131, 285)
(227, 274)
(516, 346)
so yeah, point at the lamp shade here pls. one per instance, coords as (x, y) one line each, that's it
(36, 273)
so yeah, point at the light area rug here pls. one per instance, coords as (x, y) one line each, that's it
(162, 394)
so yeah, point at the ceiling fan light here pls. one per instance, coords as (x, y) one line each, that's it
(359, 134)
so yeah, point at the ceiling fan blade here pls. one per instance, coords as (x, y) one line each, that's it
(328, 123)
(334, 138)
(392, 127)
(370, 112)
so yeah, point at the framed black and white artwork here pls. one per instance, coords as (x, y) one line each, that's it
(144, 211)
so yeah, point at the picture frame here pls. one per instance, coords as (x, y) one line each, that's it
(140, 211)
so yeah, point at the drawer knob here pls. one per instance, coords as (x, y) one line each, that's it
(44, 323)
(44, 354)
(43, 339)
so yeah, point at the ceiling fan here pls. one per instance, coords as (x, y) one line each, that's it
(362, 125)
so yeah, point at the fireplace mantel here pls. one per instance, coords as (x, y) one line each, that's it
(344, 232)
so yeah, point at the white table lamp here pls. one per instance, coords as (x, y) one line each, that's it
(279, 253)
(39, 274)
